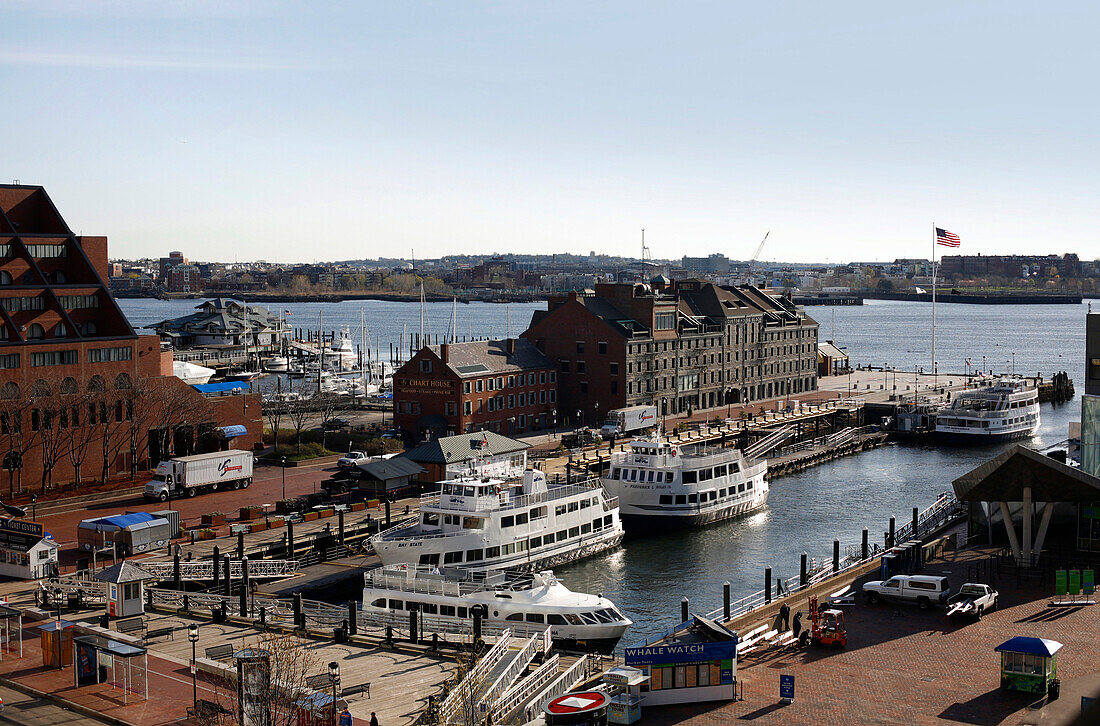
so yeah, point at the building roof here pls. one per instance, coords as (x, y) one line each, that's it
(829, 350)
(1003, 478)
(221, 315)
(119, 521)
(463, 447)
(1029, 646)
(123, 572)
(394, 468)
(485, 357)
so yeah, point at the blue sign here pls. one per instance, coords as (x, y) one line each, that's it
(786, 687)
(681, 653)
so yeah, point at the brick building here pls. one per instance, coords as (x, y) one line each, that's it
(689, 345)
(504, 386)
(78, 387)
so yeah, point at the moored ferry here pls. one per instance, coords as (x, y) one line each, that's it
(522, 523)
(660, 484)
(1005, 410)
(525, 602)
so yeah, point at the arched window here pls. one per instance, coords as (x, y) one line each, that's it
(68, 385)
(36, 332)
(90, 328)
(41, 389)
(60, 331)
(9, 391)
(96, 384)
(123, 382)
(5, 277)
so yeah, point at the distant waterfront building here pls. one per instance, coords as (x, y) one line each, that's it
(224, 322)
(184, 278)
(504, 386)
(715, 264)
(686, 345)
(167, 263)
(77, 383)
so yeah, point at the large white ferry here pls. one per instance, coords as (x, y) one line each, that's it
(524, 602)
(514, 523)
(661, 484)
(1004, 410)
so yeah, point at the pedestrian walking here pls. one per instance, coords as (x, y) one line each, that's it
(785, 615)
(373, 719)
(796, 627)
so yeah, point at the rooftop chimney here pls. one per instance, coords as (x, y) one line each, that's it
(444, 352)
(511, 346)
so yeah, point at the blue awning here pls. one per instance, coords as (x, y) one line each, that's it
(231, 432)
(222, 387)
(1029, 646)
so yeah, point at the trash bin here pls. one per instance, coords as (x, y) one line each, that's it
(218, 614)
(340, 635)
(1054, 689)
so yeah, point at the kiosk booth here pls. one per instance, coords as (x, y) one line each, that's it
(102, 660)
(57, 643)
(695, 661)
(125, 589)
(1029, 664)
(625, 685)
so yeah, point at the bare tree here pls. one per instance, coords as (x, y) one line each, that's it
(326, 405)
(78, 432)
(298, 411)
(47, 420)
(273, 412)
(140, 402)
(16, 438)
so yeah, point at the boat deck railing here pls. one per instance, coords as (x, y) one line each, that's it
(507, 500)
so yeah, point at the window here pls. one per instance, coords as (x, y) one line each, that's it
(614, 368)
(9, 360)
(580, 366)
(689, 477)
(479, 385)
(90, 328)
(666, 499)
(425, 366)
(36, 332)
(465, 386)
(450, 558)
(54, 358)
(507, 522)
(104, 355)
(601, 347)
(5, 276)
(565, 366)
(42, 250)
(580, 347)
(473, 555)
(60, 331)
(666, 321)
(75, 302)
(467, 408)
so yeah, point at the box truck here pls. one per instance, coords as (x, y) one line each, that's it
(186, 476)
(628, 420)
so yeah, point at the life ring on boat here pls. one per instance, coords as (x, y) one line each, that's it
(674, 451)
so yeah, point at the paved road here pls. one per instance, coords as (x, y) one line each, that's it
(28, 711)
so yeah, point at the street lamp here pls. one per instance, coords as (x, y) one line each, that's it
(334, 676)
(193, 636)
(34, 507)
(284, 477)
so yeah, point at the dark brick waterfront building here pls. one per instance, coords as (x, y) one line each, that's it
(688, 345)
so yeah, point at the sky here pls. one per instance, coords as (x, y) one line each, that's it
(317, 131)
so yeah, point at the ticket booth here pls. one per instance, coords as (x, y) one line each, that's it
(125, 589)
(57, 643)
(625, 685)
(1028, 664)
(694, 662)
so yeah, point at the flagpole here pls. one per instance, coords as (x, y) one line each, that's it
(934, 381)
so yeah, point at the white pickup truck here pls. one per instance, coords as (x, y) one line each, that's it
(924, 590)
(972, 601)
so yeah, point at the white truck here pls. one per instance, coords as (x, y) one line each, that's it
(974, 600)
(627, 420)
(924, 590)
(186, 476)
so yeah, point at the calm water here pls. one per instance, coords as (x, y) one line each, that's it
(647, 577)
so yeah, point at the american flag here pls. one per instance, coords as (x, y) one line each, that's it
(945, 238)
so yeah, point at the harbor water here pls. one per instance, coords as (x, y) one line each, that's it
(806, 511)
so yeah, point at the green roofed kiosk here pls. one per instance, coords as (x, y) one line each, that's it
(1028, 664)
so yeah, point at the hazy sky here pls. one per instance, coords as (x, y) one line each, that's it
(316, 131)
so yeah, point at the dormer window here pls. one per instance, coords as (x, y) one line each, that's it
(425, 366)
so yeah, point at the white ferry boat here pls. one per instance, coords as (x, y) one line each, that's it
(1005, 410)
(518, 523)
(524, 602)
(661, 484)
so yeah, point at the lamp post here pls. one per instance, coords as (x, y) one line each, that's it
(334, 676)
(34, 507)
(193, 636)
(284, 477)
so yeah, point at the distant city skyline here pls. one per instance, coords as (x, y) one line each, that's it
(325, 131)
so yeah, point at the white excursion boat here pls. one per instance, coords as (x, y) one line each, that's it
(661, 484)
(521, 523)
(278, 364)
(1004, 410)
(525, 602)
(190, 373)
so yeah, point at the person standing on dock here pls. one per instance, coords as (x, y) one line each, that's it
(797, 625)
(785, 617)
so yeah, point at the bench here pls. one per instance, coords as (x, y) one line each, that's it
(220, 652)
(170, 633)
(356, 690)
(207, 709)
(769, 636)
(130, 625)
(320, 682)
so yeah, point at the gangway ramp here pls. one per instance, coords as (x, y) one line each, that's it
(770, 442)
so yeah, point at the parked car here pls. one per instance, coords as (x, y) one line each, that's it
(352, 460)
(391, 434)
(973, 600)
(336, 423)
(924, 590)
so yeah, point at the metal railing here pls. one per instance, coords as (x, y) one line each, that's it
(204, 569)
(567, 681)
(769, 442)
(946, 507)
(520, 693)
(472, 685)
(507, 679)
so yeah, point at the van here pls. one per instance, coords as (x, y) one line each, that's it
(924, 590)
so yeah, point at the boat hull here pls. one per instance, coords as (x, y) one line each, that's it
(641, 520)
(953, 438)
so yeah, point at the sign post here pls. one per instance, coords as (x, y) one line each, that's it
(786, 688)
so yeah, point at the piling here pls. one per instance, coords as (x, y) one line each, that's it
(891, 542)
(802, 578)
(176, 581)
(216, 559)
(290, 540)
(836, 556)
(244, 586)
(387, 512)
(914, 533)
(340, 526)
(353, 621)
(767, 584)
(865, 552)
(228, 579)
(726, 599)
(477, 611)
(683, 610)
(240, 545)
(299, 616)
(414, 635)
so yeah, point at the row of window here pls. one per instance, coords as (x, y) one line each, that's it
(79, 302)
(67, 416)
(606, 615)
(491, 553)
(500, 403)
(497, 384)
(47, 250)
(710, 495)
(692, 675)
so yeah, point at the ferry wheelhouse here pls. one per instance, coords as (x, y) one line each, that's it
(1005, 410)
(525, 602)
(659, 483)
(520, 523)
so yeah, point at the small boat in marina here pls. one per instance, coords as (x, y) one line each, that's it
(524, 602)
(278, 364)
(661, 484)
(191, 373)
